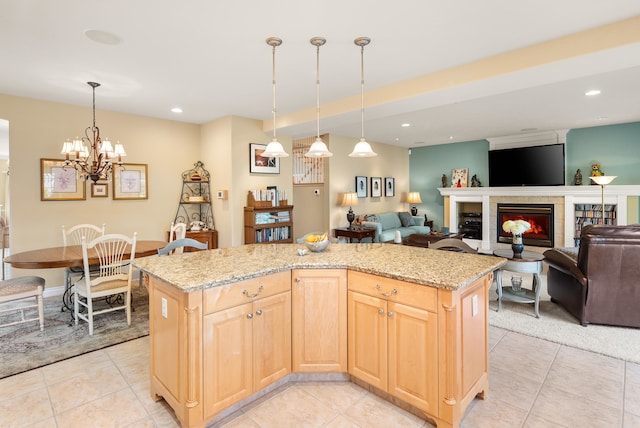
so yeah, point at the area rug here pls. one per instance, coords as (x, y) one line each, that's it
(24, 347)
(557, 325)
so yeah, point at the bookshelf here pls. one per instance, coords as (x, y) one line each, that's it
(268, 224)
(592, 214)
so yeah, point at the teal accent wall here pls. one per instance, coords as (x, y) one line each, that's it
(615, 147)
(427, 164)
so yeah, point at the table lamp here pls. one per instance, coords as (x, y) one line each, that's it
(348, 200)
(414, 198)
(603, 180)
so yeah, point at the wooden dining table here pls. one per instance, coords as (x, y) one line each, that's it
(71, 257)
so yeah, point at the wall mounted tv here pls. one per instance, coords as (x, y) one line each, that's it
(527, 166)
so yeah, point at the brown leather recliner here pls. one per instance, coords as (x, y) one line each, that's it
(602, 284)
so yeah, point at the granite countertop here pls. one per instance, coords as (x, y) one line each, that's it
(204, 269)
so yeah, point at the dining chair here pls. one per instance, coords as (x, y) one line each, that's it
(22, 288)
(173, 246)
(113, 276)
(4, 229)
(177, 231)
(73, 236)
(453, 244)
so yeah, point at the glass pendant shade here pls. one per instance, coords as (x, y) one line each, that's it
(274, 150)
(318, 150)
(362, 150)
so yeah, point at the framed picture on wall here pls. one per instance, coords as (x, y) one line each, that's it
(261, 164)
(99, 190)
(361, 186)
(389, 187)
(459, 177)
(376, 187)
(59, 182)
(130, 181)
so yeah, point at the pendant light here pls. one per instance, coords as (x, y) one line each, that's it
(274, 148)
(362, 148)
(318, 149)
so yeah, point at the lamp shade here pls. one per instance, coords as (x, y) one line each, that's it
(603, 180)
(414, 198)
(274, 150)
(349, 199)
(318, 150)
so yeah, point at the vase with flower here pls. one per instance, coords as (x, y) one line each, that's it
(517, 228)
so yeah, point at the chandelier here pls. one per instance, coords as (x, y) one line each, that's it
(92, 156)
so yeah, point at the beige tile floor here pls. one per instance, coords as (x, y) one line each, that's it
(533, 383)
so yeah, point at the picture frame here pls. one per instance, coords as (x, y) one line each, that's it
(361, 186)
(389, 187)
(60, 182)
(99, 190)
(460, 177)
(130, 181)
(376, 187)
(259, 164)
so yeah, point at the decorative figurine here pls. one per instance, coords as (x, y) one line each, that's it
(596, 171)
(577, 179)
(444, 180)
(475, 182)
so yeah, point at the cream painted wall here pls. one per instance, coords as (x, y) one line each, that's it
(37, 130)
(391, 162)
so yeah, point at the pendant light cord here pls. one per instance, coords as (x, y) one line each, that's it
(362, 91)
(318, 91)
(273, 84)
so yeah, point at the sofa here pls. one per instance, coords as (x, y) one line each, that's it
(600, 282)
(387, 224)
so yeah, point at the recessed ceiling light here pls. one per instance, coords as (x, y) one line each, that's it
(405, 125)
(603, 118)
(528, 129)
(592, 92)
(103, 37)
(176, 110)
(451, 137)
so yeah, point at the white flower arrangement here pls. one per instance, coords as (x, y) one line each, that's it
(516, 227)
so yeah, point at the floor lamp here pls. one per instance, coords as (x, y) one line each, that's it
(603, 180)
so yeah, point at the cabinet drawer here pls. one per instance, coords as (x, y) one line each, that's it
(228, 296)
(408, 293)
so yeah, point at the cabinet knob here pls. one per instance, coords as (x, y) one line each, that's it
(381, 311)
(259, 312)
(390, 314)
(249, 316)
(298, 280)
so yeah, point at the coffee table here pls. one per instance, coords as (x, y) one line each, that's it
(530, 262)
(423, 239)
(357, 233)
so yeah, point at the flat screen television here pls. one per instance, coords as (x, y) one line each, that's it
(527, 166)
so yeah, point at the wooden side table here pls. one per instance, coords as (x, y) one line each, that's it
(530, 262)
(356, 233)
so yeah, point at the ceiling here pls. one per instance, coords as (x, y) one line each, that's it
(424, 65)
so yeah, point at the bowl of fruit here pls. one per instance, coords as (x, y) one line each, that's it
(316, 243)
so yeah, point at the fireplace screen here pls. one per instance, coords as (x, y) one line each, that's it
(539, 216)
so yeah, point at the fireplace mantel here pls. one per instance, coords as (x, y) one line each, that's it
(571, 195)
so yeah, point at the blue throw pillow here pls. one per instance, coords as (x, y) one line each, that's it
(406, 219)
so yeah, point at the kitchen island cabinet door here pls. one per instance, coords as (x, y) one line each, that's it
(413, 356)
(271, 339)
(228, 357)
(319, 314)
(368, 339)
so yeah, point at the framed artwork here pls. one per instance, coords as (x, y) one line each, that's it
(99, 190)
(389, 186)
(260, 164)
(361, 186)
(376, 187)
(60, 182)
(459, 177)
(130, 181)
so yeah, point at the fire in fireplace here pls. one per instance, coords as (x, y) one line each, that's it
(539, 216)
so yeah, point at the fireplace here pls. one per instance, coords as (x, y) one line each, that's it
(539, 216)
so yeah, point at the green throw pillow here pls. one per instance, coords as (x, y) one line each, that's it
(406, 219)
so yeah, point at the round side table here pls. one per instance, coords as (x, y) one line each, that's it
(531, 262)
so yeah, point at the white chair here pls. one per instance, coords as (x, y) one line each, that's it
(73, 236)
(173, 246)
(20, 288)
(113, 276)
(177, 231)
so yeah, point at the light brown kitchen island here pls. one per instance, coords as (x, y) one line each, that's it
(411, 323)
